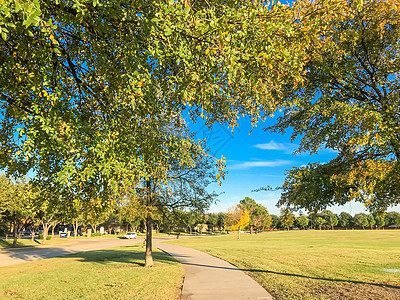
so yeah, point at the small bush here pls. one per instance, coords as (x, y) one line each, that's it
(96, 234)
(47, 238)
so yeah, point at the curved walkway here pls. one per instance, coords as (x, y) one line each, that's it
(208, 277)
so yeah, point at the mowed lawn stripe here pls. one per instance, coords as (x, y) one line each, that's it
(350, 264)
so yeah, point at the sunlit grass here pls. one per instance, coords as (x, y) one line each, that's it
(29, 243)
(115, 273)
(349, 264)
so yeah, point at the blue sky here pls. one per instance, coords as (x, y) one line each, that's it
(256, 160)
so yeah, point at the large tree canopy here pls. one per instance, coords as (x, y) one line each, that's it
(350, 103)
(88, 84)
(92, 87)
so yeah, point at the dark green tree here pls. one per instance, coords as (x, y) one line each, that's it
(380, 219)
(15, 205)
(276, 223)
(319, 221)
(345, 220)
(371, 221)
(221, 220)
(361, 220)
(391, 218)
(330, 218)
(303, 221)
(212, 221)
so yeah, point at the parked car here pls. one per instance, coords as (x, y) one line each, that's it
(26, 232)
(130, 235)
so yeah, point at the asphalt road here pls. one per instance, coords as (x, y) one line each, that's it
(20, 255)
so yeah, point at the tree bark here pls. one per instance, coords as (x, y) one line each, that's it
(239, 234)
(76, 228)
(15, 234)
(45, 231)
(149, 228)
(149, 242)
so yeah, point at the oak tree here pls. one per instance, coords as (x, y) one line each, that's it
(349, 102)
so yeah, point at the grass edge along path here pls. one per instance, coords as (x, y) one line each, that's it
(313, 264)
(23, 243)
(114, 273)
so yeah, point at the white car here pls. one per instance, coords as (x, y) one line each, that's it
(130, 235)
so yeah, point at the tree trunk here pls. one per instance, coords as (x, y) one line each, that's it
(251, 229)
(239, 234)
(45, 231)
(76, 228)
(149, 246)
(52, 229)
(15, 233)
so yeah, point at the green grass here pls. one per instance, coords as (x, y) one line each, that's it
(314, 264)
(115, 273)
(29, 243)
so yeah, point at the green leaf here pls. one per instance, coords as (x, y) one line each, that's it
(167, 31)
(186, 11)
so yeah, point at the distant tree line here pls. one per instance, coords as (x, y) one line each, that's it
(259, 219)
(26, 208)
(329, 220)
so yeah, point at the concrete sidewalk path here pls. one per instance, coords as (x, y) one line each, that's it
(208, 277)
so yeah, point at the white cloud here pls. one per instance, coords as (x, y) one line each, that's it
(261, 163)
(288, 148)
(271, 146)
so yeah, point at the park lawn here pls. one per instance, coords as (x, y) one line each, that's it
(346, 264)
(29, 243)
(115, 273)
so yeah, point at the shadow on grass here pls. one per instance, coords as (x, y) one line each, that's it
(131, 254)
(134, 256)
(296, 275)
(8, 245)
